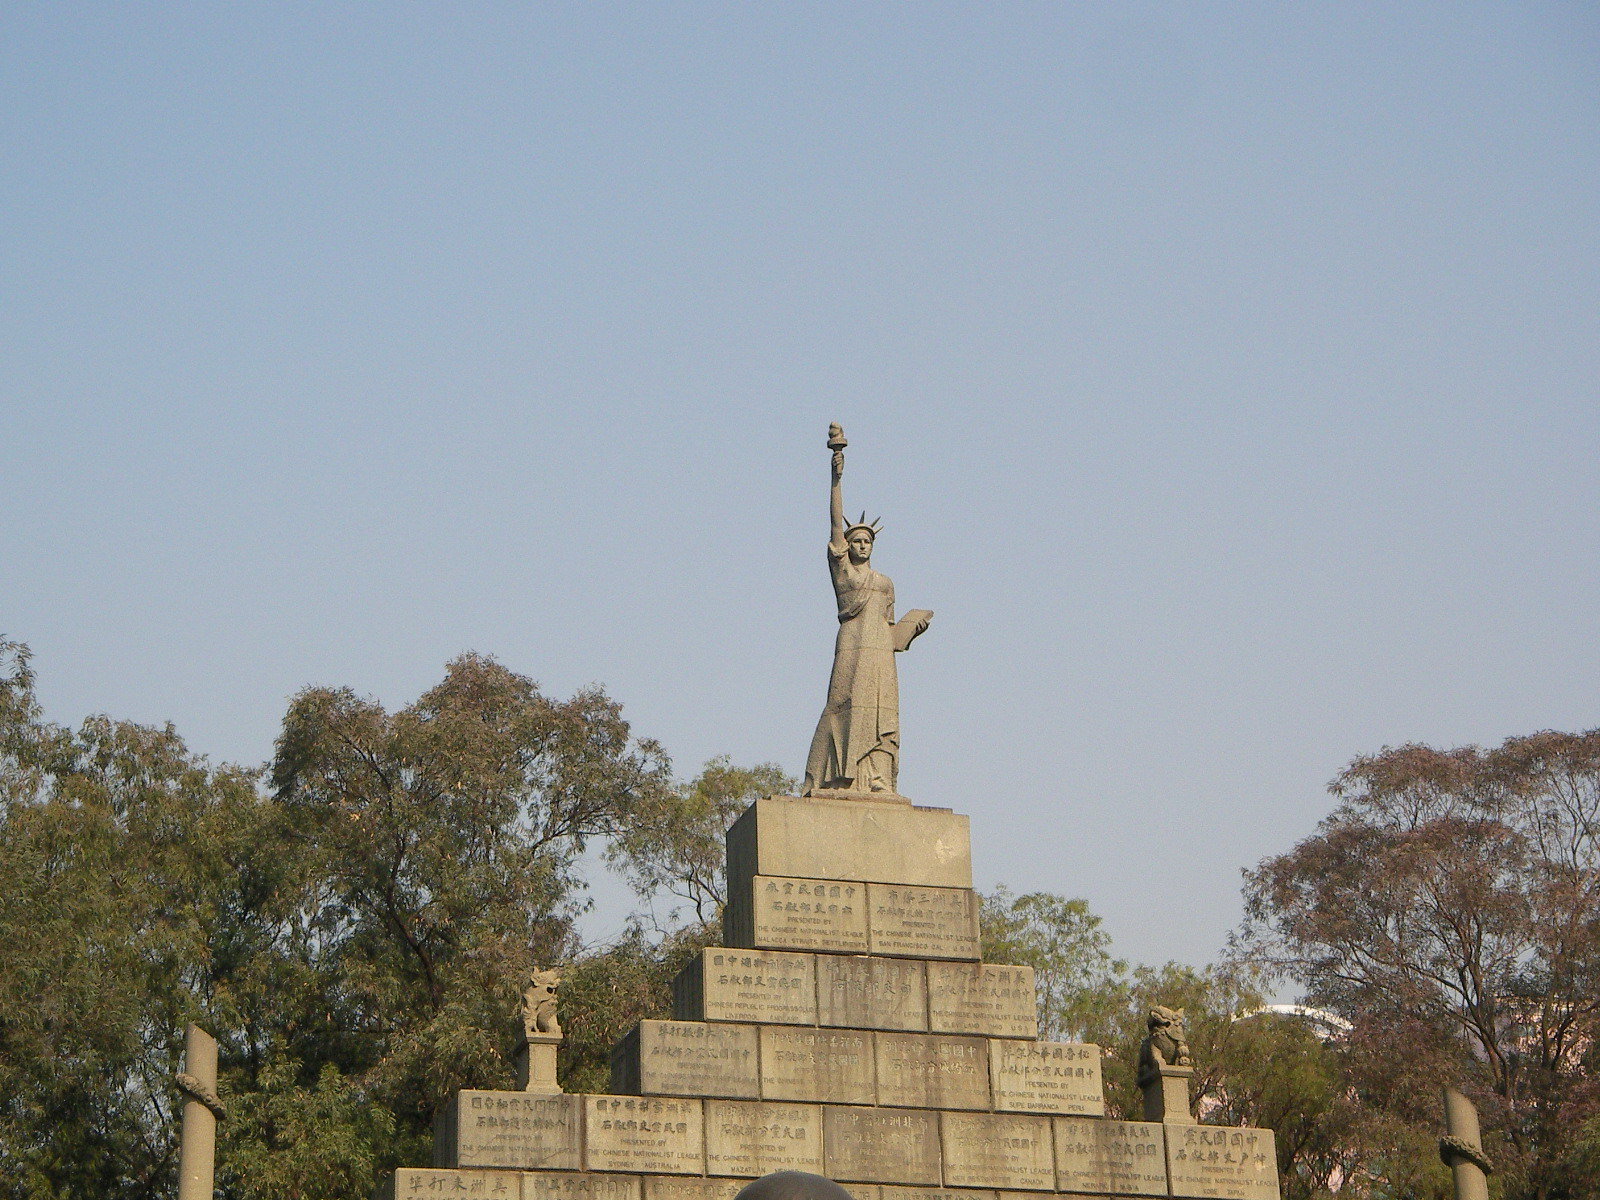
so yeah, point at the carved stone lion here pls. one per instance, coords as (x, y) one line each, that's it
(539, 1004)
(1165, 1044)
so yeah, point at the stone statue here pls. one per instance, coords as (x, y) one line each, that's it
(857, 744)
(539, 1004)
(1165, 1044)
(1165, 1068)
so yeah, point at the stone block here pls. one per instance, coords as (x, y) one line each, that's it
(761, 987)
(930, 1070)
(412, 1183)
(644, 1134)
(686, 1058)
(841, 839)
(986, 998)
(753, 1138)
(772, 912)
(998, 1150)
(1046, 1077)
(666, 1187)
(578, 1185)
(517, 1130)
(881, 1145)
(1127, 1158)
(871, 993)
(922, 922)
(1221, 1161)
(817, 1065)
(889, 1191)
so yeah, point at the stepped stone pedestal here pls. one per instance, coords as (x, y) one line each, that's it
(847, 1028)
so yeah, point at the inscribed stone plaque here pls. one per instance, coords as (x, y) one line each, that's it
(891, 1191)
(578, 1185)
(421, 1184)
(657, 1187)
(982, 998)
(687, 1058)
(847, 839)
(747, 985)
(515, 1129)
(752, 1138)
(1222, 1162)
(807, 914)
(816, 1064)
(871, 993)
(881, 1145)
(1124, 1157)
(930, 1070)
(641, 1133)
(998, 1150)
(922, 922)
(1046, 1077)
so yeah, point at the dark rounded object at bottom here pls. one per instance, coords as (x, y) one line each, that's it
(793, 1185)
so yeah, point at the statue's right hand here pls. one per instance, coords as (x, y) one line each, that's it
(838, 463)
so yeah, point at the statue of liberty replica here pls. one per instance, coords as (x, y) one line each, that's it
(856, 748)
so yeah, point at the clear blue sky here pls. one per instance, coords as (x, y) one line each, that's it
(1227, 375)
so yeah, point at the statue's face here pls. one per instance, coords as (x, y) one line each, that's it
(860, 543)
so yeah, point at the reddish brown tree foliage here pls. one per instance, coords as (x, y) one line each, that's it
(1450, 908)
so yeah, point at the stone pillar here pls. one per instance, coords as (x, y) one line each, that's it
(197, 1152)
(536, 1064)
(1166, 1095)
(1462, 1147)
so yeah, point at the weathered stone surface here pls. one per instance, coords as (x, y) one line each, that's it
(986, 998)
(762, 987)
(511, 1129)
(891, 1191)
(930, 1070)
(1127, 1158)
(817, 1065)
(881, 1145)
(997, 1150)
(753, 1138)
(871, 993)
(686, 1058)
(641, 1133)
(1046, 1077)
(776, 913)
(1222, 1162)
(845, 839)
(412, 1183)
(922, 922)
(663, 1187)
(578, 1185)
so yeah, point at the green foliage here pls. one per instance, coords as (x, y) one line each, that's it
(673, 841)
(293, 1141)
(355, 936)
(1079, 984)
(607, 991)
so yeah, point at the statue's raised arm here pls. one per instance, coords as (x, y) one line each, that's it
(856, 748)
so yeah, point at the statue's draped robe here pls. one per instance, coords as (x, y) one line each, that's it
(863, 710)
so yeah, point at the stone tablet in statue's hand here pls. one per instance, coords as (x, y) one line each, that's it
(909, 626)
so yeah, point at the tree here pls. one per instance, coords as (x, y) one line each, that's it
(674, 839)
(1449, 907)
(118, 855)
(443, 839)
(353, 936)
